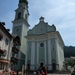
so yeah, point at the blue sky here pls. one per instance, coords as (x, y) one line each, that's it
(61, 13)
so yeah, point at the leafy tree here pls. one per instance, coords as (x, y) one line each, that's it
(70, 62)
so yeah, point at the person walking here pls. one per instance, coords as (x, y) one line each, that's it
(39, 71)
(44, 70)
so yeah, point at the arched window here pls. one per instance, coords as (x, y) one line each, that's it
(26, 16)
(41, 44)
(19, 15)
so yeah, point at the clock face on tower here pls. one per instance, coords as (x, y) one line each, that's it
(41, 44)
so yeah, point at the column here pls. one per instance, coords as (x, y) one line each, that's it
(37, 54)
(45, 52)
(49, 55)
(32, 55)
(26, 53)
(57, 55)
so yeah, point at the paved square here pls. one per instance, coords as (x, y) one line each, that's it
(59, 74)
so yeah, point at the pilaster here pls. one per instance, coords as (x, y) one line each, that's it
(45, 52)
(26, 54)
(37, 53)
(32, 55)
(57, 56)
(49, 55)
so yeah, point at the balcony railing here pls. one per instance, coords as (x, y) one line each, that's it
(17, 42)
(15, 50)
(2, 51)
(14, 59)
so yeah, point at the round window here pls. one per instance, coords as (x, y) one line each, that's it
(41, 44)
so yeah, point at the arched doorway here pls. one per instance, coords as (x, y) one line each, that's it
(40, 67)
(28, 64)
(41, 64)
(53, 66)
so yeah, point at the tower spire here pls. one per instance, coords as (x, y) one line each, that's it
(22, 10)
(20, 28)
(23, 1)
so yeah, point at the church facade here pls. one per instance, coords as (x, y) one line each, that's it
(44, 44)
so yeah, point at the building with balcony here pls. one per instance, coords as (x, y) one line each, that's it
(5, 47)
(9, 49)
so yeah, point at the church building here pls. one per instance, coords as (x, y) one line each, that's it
(44, 44)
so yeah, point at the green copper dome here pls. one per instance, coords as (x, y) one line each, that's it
(23, 1)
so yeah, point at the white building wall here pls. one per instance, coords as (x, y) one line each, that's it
(7, 47)
(4, 46)
(57, 55)
(26, 54)
(10, 49)
(57, 48)
(60, 55)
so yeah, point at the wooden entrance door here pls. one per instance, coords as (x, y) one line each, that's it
(53, 66)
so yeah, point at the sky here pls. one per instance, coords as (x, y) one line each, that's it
(61, 13)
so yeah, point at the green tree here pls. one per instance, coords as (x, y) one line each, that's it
(70, 62)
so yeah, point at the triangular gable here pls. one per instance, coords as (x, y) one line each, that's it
(41, 28)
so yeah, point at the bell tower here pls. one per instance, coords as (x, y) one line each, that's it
(20, 28)
(22, 10)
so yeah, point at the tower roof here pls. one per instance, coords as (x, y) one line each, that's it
(23, 1)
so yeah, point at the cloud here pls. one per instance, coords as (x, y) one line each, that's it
(59, 12)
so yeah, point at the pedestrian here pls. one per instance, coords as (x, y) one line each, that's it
(43, 73)
(39, 70)
(44, 70)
